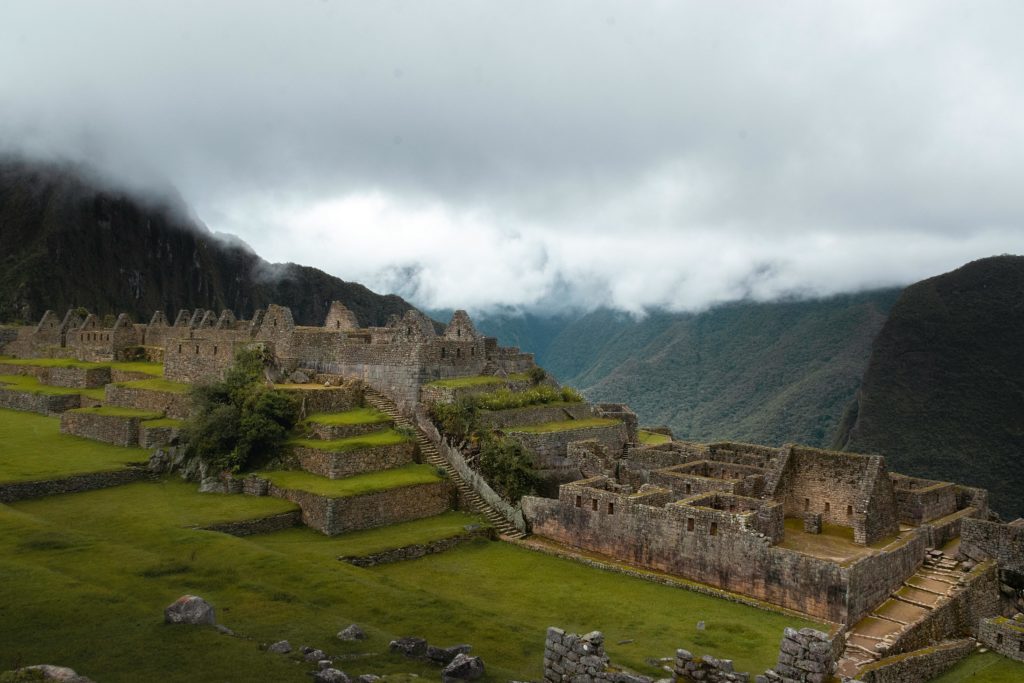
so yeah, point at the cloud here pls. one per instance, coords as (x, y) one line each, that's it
(477, 154)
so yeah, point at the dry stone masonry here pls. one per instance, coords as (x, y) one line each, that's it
(573, 658)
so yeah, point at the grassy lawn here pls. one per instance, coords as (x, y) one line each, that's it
(31, 384)
(566, 425)
(463, 382)
(984, 668)
(32, 448)
(313, 546)
(156, 369)
(385, 437)
(409, 475)
(116, 411)
(164, 422)
(87, 571)
(359, 416)
(157, 384)
(652, 438)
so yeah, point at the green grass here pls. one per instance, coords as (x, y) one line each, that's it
(359, 416)
(86, 570)
(566, 425)
(984, 668)
(652, 438)
(157, 384)
(32, 448)
(116, 411)
(463, 382)
(385, 437)
(32, 385)
(314, 546)
(156, 369)
(163, 422)
(409, 475)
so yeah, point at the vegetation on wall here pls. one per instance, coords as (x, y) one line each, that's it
(239, 423)
(507, 467)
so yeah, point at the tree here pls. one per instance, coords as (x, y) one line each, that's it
(239, 423)
(507, 467)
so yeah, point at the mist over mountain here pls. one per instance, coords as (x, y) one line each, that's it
(770, 372)
(70, 239)
(943, 394)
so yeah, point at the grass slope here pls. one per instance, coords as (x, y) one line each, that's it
(32, 448)
(384, 437)
(155, 369)
(988, 667)
(565, 425)
(86, 578)
(358, 416)
(157, 384)
(32, 385)
(409, 475)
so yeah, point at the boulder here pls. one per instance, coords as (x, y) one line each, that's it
(463, 668)
(281, 647)
(409, 646)
(298, 377)
(352, 632)
(189, 609)
(211, 485)
(331, 676)
(315, 655)
(49, 672)
(444, 655)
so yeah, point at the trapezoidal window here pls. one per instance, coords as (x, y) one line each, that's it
(807, 503)
(714, 529)
(579, 501)
(688, 489)
(444, 352)
(689, 523)
(179, 348)
(197, 350)
(1020, 646)
(827, 506)
(999, 639)
(849, 510)
(611, 508)
(458, 353)
(215, 350)
(593, 504)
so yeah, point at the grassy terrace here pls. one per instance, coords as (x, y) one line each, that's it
(409, 475)
(115, 411)
(31, 384)
(155, 369)
(313, 546)
(463, 382)
(385, 437)
(987, 667)
(652, 438)
(566, 425)
(86, 570)
(163, 422)
(157, 384)
(359, 416)
(32, 448)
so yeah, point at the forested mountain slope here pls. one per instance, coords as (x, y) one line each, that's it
(943, 394)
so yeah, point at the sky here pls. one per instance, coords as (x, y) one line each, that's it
(548, 155)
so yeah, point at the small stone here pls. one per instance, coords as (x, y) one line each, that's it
(306, 649)
(281, 647)
(368, 678)
(463, 668)
(324, 664)
(700, 625)
(189, 609)
(211, 485)
(409, 646)
(331, 676)
(352, 632)
(221, 628)
(444, 655)
(315, 656)
(49, 672)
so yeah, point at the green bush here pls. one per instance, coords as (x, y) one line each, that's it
(239, 423)
(503, 399)
(537, 374)
(456, 419)
(507, 468)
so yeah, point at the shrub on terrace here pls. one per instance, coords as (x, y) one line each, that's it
(239, 423)
(507, 467)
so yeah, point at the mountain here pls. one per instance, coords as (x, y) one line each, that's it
(943, 393)
(70, 239)
(761, 372)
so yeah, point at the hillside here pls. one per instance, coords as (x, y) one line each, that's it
(68, 240)
(943, 394)
(759, 372)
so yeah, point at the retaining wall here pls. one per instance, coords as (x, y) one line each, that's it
(264, 525)
(113, 429)
(171, 404)
(44, 404)
(15, 491)
(338, 465)
(919, 665)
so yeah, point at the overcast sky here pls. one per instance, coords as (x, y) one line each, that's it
(473, 154)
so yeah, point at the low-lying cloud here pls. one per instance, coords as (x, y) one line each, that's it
(537, 154)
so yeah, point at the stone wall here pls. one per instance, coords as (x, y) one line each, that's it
(338, 465)
(539, 414)
(314, 399)
(263, 525)
(113, 429)
(76, 378)
(919, 665)
(981, 539)
(171, 404)
(152, 437)
(572, 658)
(327, 432)
(922, 500)
(807, 655)
(418, 550)
(873, 578)
(706, 668)
(202, 356)
(549, 448)
(702, 476)
(724, 549)
(1002, 635)
(333, 516)
(44, 404)
(23, 490)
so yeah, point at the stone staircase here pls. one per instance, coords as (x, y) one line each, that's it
(431, 455)
(869, 640)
